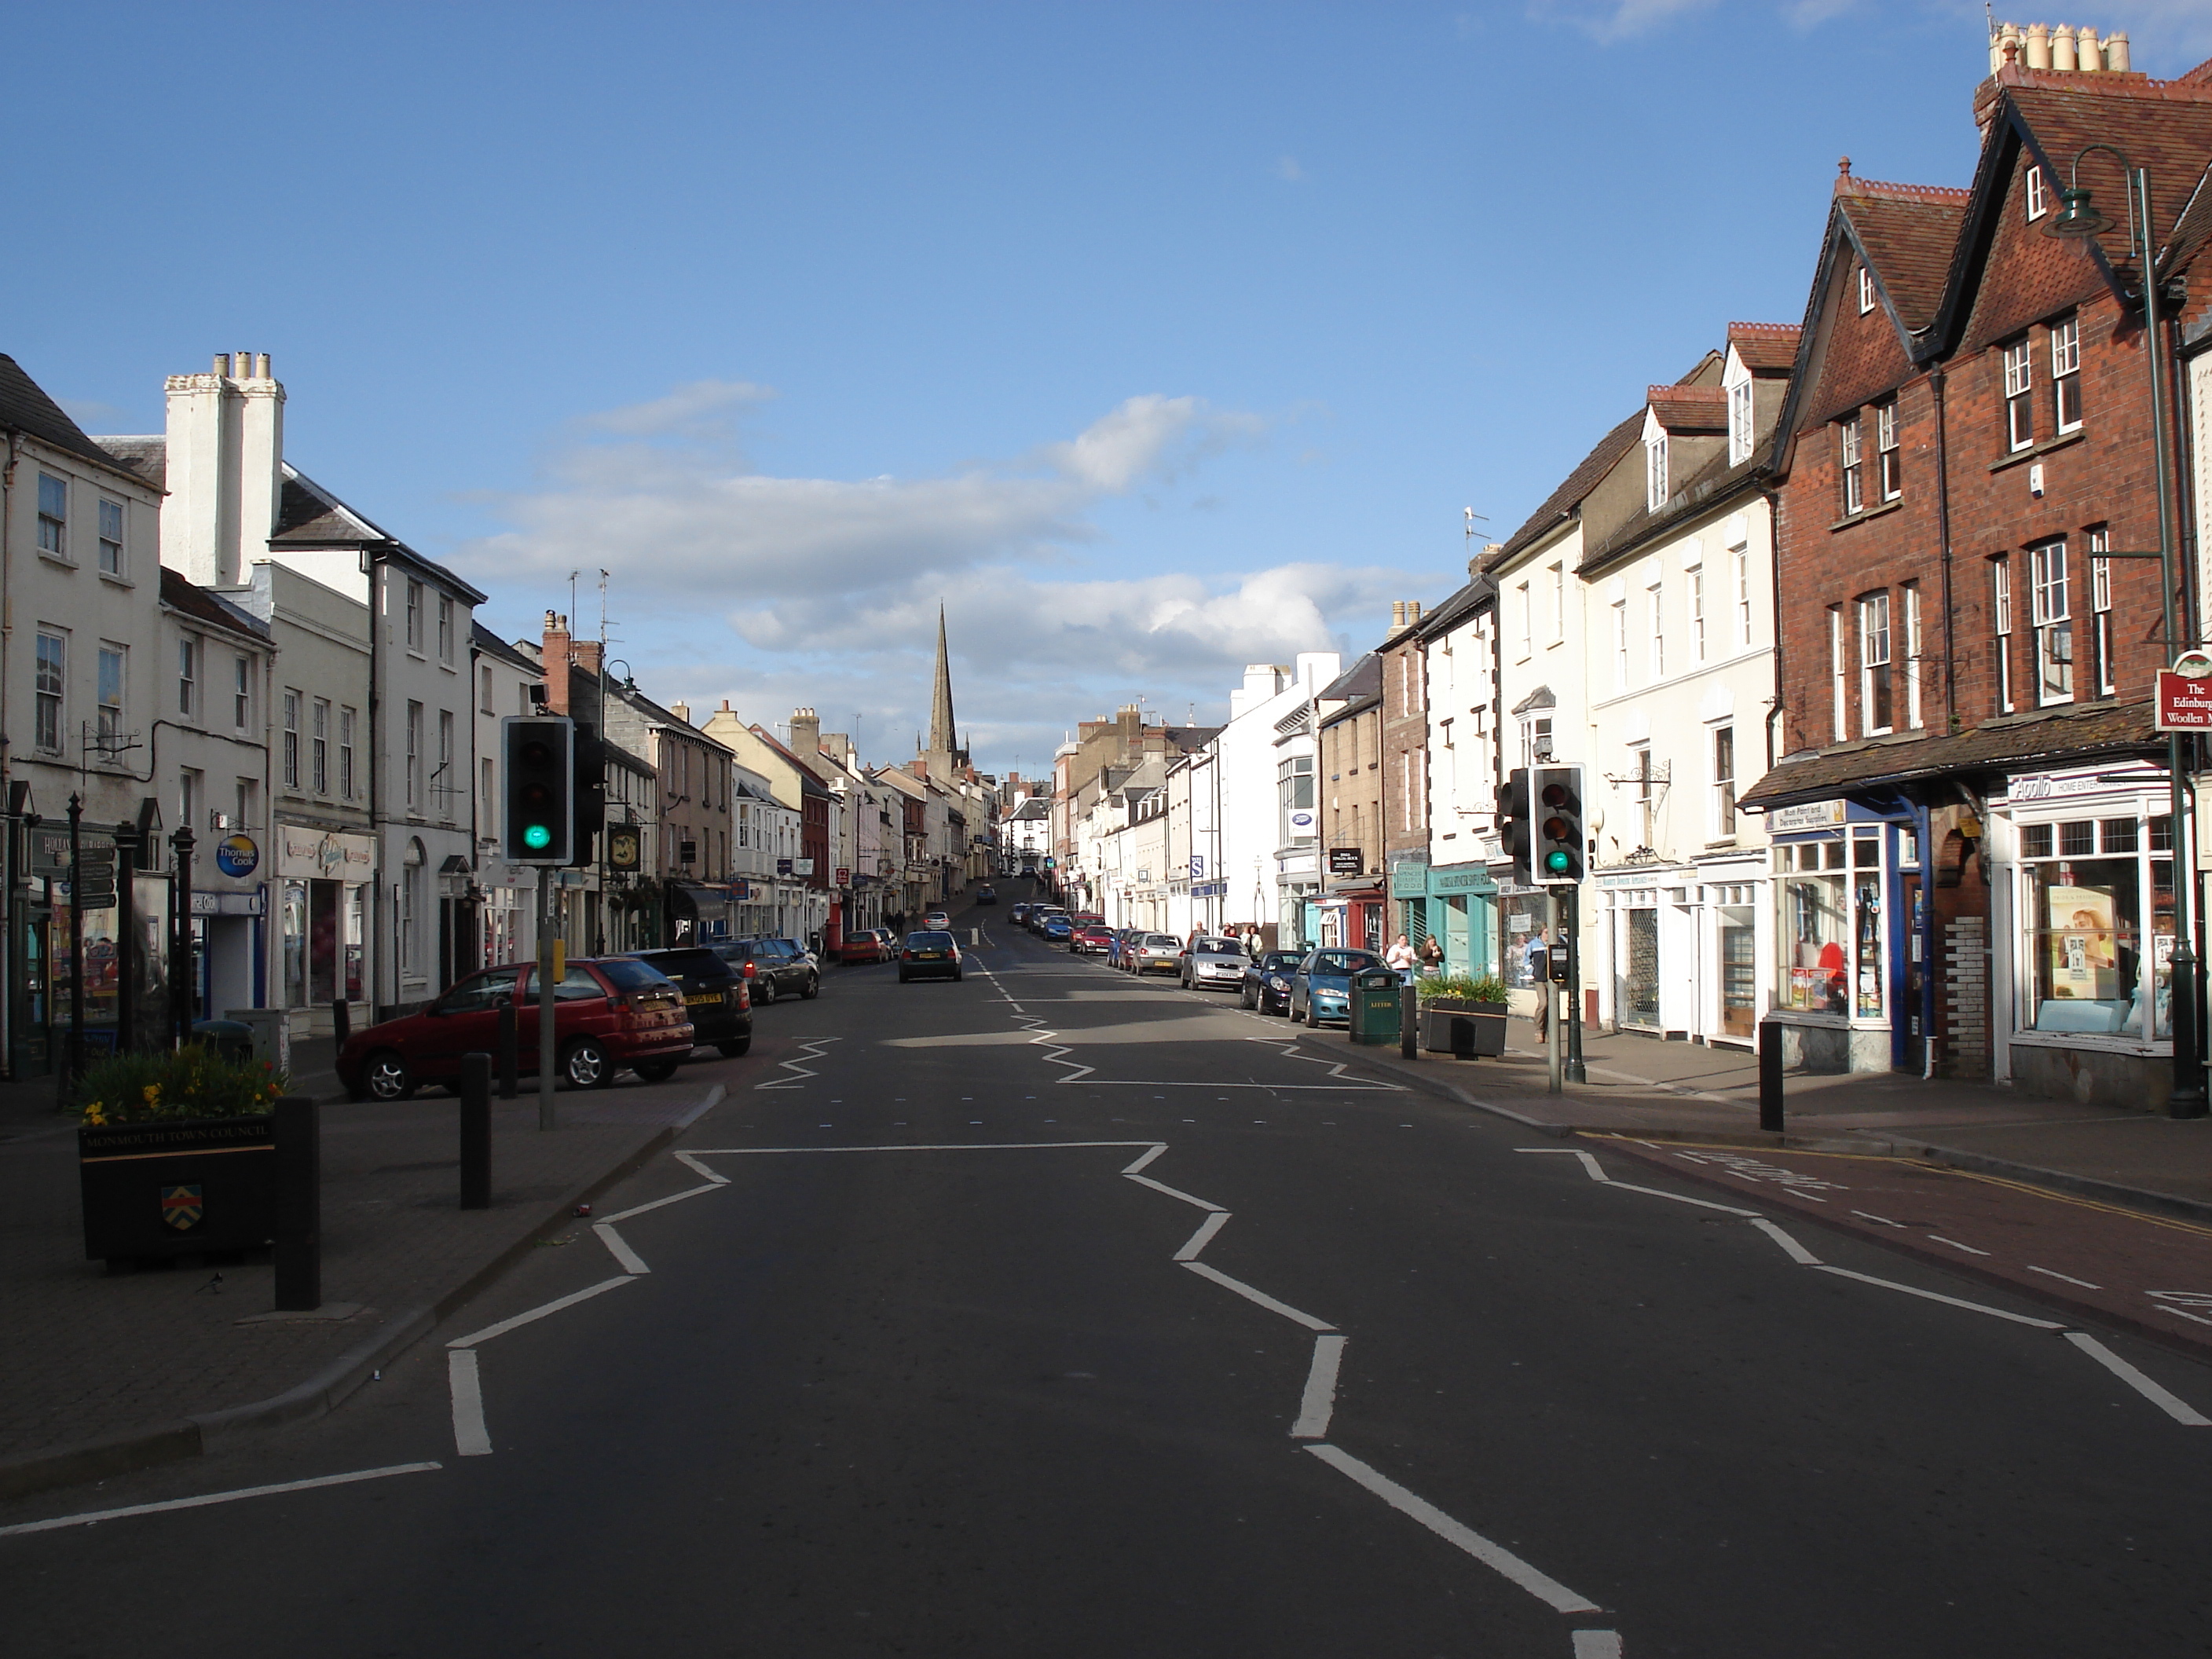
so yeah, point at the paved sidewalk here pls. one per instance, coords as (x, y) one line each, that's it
(107, 1373)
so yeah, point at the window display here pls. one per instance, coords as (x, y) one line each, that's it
(2094, 891)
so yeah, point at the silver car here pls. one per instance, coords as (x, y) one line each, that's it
(1214, 962)
(1148, 951)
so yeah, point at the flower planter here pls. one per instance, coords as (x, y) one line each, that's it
(177, 1186)
(1463, 1029)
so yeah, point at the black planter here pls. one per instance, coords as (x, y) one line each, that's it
(1463, 1029)
(178, 1187)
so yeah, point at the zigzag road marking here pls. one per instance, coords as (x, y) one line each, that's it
(1287, 1048)
(814, 1046)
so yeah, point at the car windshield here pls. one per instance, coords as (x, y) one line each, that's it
(625, 973)
(1341, 961)
(672, 963)
(1162, 941)
(929, 941)
(1284, 959)
(1214, 947)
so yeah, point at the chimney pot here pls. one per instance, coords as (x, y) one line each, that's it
(260, 365)
(2039, 45)
(223, 362)
(2089, 57)
(2062, 50)
(2115, 52)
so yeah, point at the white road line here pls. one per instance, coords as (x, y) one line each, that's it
(1260, 1297)
(1701, 1203)
(1790, 1247)
(2178, 1314)
(2172, 1404)
(618, 1247)
(1868, 1215)
(471, 1438)
(1598, 1644)
(1496, 1557)
(1203, 1236)
(1593, 1168)
(91, 1516)
(673, 1197)
(693, 1165)
(1319, 1401)
(552, 1307)
(814, 1046)
(1147, 1159)
(1162, 1187)
(1936, 1296)
(1346, 1087)
(944, 1146)
(2051, 1273)
(1955, 1245)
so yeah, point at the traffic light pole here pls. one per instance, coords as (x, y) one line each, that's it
(1555, 1038)
(1575, 1072)
(546, 989)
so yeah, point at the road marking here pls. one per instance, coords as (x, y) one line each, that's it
(1319, 1401)
(2050, 1274)
(1598, 1644)
(552, 1307)
(1496, 1557)
(1203, 1236)
(1701, 1203)
(1260, 1297)
(673, 1197)
(945, 1147)
(1955, 1245)
(2162, 1307)
(1790, 1247)
(471, 1438)
(697, 1168)
(814, 1046)
(1162, 1187)
(1132, 1169)
(631, 1261)
(1868, 1215)
(1937, 1296)
(90, 1517)
(2174, 1406)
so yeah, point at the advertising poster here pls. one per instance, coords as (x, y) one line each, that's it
(2083, 960)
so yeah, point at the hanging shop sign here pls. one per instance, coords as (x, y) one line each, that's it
(237, 855)
(305, 854)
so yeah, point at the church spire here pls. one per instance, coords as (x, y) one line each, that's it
(942, 738)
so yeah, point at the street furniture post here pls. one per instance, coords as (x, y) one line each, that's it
(341, 1023)
(476, 1132)
(180, 948)
(545, 988)
(1575, 1072)
(1769, 1075)
(1553, 1039)
(72, 1067)
(298, 1257)
(1409, 1022)
(126, 939)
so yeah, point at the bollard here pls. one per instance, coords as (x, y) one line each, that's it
(506, 1018)
(299, 1253)
(1769, 1076)
(476, 1132)
(341, 1023)
(1409, 1022)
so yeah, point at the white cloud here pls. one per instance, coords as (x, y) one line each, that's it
(1607, 21)
(689, 411)
(1288, 170)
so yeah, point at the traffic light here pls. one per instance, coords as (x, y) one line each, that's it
(1559, 831)
(590, 770)
(1513, 827)
(538, 782)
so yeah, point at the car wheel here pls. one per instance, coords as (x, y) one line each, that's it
(386, 1077)
(813, 989)
(1313, 1016)
(586, 1065)
(736, 1046)
(955, 976)
(655, 1071)
(764, 989)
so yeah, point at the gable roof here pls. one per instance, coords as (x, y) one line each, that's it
(1764, 348)
(1561, 503)
(1907, 234)
(1688, 409)
(488, 644)
(212, 609)
(25, 407)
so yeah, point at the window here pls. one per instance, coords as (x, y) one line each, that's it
(1873, 663)
(188, 796)
(2100, 611)
(1888, 457)
(1621, 645)
(414, 616)
(1559, 601)
(188, 675)
(1725, 783)
(111, 536)
(1643, 781)
(484, 701)
(491, 824)
(414, 757)
(1294, 783)
(1739, 419)
(1741, 558)
(2038, 195)
(1866, 291)
(1654, 472)
(1536, 740)
(2052, 620)
(54, 515)
(1830, 926)
(241, 691)
(1854, 471)
(291, 739)
(345, 753)
(2091, 899)
(1525, 606)
(111, 700)
(1657, 609)
(1912, 655)
(1842, 722)
(2066, 374)
(52, 668)
(2001, 574)
(248, 798)
(2020, 396)
(444, 787)
(1697, 612)
(444, 628)
(318, 752)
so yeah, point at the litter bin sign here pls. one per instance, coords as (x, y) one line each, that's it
(1375, 1005)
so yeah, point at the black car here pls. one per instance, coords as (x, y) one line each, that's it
(715, 999)
(986, 896)
(929, 955)
(1268, 981)
(779, 967)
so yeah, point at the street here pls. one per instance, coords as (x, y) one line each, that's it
(1051, 1312)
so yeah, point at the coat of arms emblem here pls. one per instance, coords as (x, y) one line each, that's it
(181, 1206)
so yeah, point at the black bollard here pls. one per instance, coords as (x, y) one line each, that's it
(1409, 1022)
(476, 1132)
(341, 1023)
(506, 1049)
(1769, 1076)
(299, 1252)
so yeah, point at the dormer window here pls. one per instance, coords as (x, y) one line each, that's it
(1655, 471)
(1866, 291)
(1739, 408)
(2038, 195)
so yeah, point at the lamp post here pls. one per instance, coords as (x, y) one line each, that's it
(2078, 219)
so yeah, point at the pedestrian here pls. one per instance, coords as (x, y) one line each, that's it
(1536, 957)
(1432, 957)
(1401, 958)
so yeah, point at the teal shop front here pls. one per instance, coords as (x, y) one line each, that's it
(1454, 903)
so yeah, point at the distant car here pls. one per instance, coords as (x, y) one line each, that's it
(1211, 961)
(609, 1013)
(1056, 929)
(774, 966)
(1018, 915)
(1151, 951)
(1040, 914)
(929, 954)
(865, 945)
(1321, 986)
(719, 1006)
(987, 895)
(1267, 983)
(1117, 953)
(1090, 940)
(937, 921)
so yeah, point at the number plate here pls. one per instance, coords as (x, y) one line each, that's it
(709, 996)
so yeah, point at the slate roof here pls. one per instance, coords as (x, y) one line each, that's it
(2043, 737)
(1765, 348)
(1561, 503)
(210, 608)
(1711, 485)
(1909, 233)
(1458, 608)
(25, 406)
(146, 457)
(1359, 686)
(491, 644)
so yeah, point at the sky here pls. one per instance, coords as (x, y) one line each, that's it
(1148, 340)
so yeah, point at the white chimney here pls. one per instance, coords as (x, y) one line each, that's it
(224, 470)
(2062, 50)
(2115, 52)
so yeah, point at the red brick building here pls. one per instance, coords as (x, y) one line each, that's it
(1971, 779)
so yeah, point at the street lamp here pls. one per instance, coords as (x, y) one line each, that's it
(2078, 219)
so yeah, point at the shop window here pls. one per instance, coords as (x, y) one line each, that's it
(2099, 911)
(1830, 930)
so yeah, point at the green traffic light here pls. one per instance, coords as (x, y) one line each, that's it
(1556, 862)
(538, 837)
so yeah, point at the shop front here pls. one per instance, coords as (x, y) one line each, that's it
(323, 878)
(1850, 917)
(1461, 913)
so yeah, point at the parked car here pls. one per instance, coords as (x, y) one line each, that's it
(715, 996)
(987, 895)
(1091, 939)
(929, 954)
(1321, 986)
(775, 967)
(1018, 914)
(1056, 928)
(609, 1013)
(1208, 960)
(1117, 953)
(1040, 914)
(1151, 951)
(865, 945)
(1267, 983)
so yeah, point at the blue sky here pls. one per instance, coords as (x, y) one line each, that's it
(1152, 340)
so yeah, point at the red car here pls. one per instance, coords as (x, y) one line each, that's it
(865, 945)
(608, 1014)
(1092, 938)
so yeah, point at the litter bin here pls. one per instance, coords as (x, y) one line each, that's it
(232, 1039)
(1374, 1003)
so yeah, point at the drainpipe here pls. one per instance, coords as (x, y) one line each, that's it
(1774, 561)
(9, 953)
(1943, 547)
(373, 931)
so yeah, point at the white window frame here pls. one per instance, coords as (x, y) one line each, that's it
(1837, 687)
(1621, 645)
(2020, 395)
(291, 745)
(346, 718)
(1741, 409)
(1866, 288)
(2000, 579)
(1654, 472)
(1740, 557)
(2038, 195)
(50, 684)
(319, 745)
(444, 628)
(414, 615)
(2100, 611)
(113, 517)
(1889, 460)
(1697, 575)
(110, 716)
(1722, 769)
(1913, 656)
(241, 691)
(54, 516)
(445, 764)
(1850, 453)
(414, 757)
(1558, 573)
(2066, 374)
(1655, 613)
(189, 650)
(1527, 603)
(2050, 614)
(1877, 681)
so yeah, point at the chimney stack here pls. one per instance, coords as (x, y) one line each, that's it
(225, 456)
(805, 734)
(556, 664)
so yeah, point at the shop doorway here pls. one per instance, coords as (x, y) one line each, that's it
(1639, 985)
(1739, 973)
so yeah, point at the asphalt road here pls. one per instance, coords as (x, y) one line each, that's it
(915, 1369)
